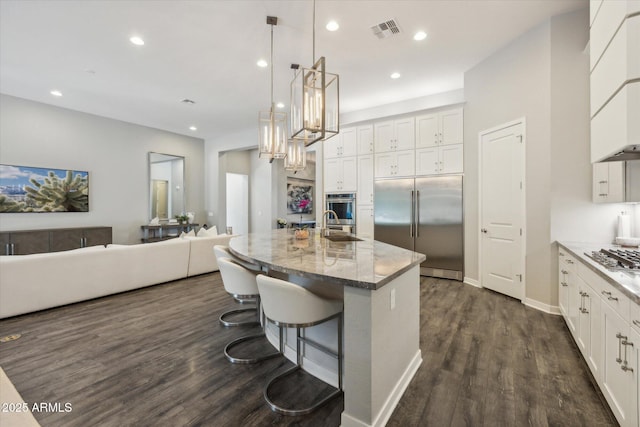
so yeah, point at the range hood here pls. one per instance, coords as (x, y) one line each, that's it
(630, 152)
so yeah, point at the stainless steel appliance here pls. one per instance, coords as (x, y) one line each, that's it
(423, 215)
(344, 205)
(617, 259)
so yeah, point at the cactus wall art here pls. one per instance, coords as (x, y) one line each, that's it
(28, 189)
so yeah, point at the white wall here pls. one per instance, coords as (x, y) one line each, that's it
(115, 153)
(542, 76)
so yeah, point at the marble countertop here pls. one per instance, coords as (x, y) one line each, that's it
(628, 283)
(366, 264)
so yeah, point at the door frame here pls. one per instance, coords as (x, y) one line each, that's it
(523, 210)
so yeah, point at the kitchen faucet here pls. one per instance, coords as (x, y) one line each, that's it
(325, 231)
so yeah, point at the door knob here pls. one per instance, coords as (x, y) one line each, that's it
(484, 230)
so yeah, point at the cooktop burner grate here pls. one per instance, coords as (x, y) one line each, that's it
(617, 259)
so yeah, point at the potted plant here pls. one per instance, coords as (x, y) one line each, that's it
(182, 218)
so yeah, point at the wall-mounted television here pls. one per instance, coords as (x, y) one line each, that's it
(29, 189)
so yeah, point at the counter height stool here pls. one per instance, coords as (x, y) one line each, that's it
(289, 305)
(233, 284)
(241, 283)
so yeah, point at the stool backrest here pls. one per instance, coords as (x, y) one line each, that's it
(237, 280)
(222, 251)
(290, 304)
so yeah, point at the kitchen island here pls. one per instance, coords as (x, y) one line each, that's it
(380, 286)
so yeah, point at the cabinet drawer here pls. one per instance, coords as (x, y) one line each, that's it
(567, 262)
(610, 295)
(634, 316)
(619, 63)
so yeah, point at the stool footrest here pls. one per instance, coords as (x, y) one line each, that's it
(247, 361)
(294, 412)
(225, 322)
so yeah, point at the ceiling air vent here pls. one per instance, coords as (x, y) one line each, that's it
(386, 29)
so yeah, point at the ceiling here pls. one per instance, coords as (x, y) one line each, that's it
(206, 51)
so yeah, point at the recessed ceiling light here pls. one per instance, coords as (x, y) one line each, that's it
(193, 128)
(420, 35)
(262, 63)
(56, 93)
(136, 40)
(395, 75)
(332, 26)
(280, 105)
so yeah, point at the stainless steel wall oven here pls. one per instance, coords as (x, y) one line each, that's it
(344, 205)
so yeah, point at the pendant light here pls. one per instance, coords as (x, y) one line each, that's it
(296, 159)
(314, 100)
(271, 124)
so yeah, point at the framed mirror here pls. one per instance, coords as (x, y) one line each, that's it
(166, 186)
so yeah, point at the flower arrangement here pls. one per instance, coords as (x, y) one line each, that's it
(282, 221)
(182, 218)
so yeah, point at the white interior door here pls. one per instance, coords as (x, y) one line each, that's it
(502, 209)
(238, 203)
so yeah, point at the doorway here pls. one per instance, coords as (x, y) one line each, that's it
(502, 209)
(238, 203)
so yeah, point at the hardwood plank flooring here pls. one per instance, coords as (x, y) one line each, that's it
(153, 357)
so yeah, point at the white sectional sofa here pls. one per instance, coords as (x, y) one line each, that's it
(36, 282)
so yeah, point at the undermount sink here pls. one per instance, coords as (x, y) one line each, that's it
(342, 238)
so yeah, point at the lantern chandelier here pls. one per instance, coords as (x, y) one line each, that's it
(272, 125)
(314, 100)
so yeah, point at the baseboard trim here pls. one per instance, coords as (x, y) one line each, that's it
(472, 282)
(392, 400)
(551, 309)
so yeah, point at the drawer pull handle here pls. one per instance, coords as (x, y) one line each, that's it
(569, 261)
(564, 272)
(635, 322)
(626, 368)
(612, 298)
(565, 284)
(606, 293)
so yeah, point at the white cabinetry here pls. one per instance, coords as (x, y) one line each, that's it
(608, 182)
(606, 329)
(395, 164)
(340, 175)
(394, 135)
(365, 180)
(615, 69)
(365, 139)
(439, 138)
(365, 221)
(342, 145)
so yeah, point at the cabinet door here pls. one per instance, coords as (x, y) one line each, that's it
(365, 222)
(593, 348)
(365, 139)
(427, 131)
(634, 337)
(349, 142)
(608, 182)
(30, 242)
(331, 147)
(98, 236)
(66, 239)
(5, 244)
(618, 381)
(451, 127)
(563, 288)
(384, 136)
(451, 158)
(384, 164)
(405, 134)
(349, 174)
(332, 172)
(405, 163)
(427, 162)
(365, 180)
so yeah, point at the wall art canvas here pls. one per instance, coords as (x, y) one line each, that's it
(299, 196)
(28, 189)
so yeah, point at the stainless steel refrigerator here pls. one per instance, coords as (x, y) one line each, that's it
(423, 215)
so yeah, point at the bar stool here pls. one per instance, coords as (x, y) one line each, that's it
(222, 252)
(289, 305)
(241, 283)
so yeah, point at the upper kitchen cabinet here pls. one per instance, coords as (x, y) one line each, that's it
(608, 182)
(394, 135)
(442, 128)
(342, 145)
(615, 74)
(365, 139)
(340, 175)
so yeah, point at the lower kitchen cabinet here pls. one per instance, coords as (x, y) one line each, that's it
(364, 219)
(605, 325)
(620, 368)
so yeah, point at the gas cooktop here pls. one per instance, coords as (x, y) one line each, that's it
(617, 259)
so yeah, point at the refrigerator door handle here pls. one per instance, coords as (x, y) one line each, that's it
(413, 213)
(417, 214)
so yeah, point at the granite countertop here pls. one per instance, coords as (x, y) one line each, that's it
(627, 282)
(366, 264)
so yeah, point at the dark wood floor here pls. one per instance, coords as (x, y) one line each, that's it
(153, 357)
